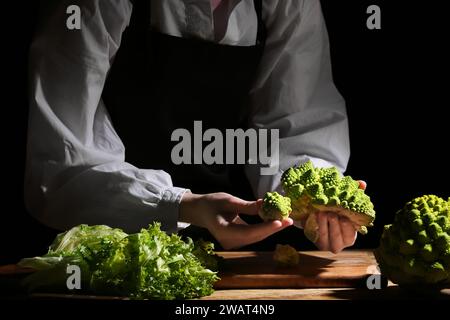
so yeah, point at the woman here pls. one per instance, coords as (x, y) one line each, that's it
(107, 97)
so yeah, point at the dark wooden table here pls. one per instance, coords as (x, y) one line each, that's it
(319, 276)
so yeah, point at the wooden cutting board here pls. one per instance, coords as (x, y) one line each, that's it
(317, 269)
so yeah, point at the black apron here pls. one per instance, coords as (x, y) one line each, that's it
(159, 83)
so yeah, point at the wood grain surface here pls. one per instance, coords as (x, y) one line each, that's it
(256, 276)
(316, 269)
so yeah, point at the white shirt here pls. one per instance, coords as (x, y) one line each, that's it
(76, 170)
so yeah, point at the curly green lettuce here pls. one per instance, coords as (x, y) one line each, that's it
(147, 265)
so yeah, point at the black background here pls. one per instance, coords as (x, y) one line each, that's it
(392, 79)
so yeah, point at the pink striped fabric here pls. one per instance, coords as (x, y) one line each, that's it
(215, 3)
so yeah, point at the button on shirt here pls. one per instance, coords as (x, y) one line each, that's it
(76, 170)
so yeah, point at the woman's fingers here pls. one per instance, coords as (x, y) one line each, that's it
(235, 235)
(322, 220)
(335, 234)
(237, 205)
(348, 232)
(238, 220)
(362, 184)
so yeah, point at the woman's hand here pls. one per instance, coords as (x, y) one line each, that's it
(336, 233)
(219, 213)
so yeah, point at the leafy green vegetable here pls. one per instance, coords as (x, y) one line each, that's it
(147, 265)
(204, 251)
(88, 242)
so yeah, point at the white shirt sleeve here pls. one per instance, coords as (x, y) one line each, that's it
(76, 170)
(294, 92)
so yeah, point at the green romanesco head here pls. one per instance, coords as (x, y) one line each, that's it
(327, 187)
(415, 249)
(275, 207)
(289, 178)
(330, 177)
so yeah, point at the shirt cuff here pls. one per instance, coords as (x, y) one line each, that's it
(170, 204)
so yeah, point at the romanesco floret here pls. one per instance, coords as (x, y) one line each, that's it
(275, 207)
(415, 249)
(285, 255)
